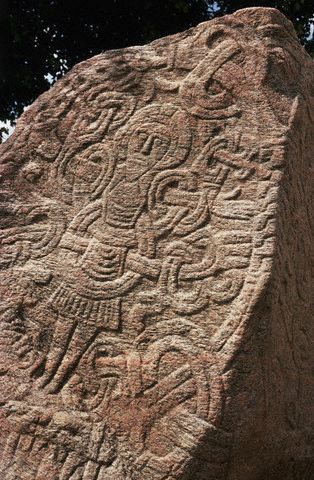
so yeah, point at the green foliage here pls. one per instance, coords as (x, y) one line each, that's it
(42, 39)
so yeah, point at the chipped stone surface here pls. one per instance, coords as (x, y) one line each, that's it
(157, 263)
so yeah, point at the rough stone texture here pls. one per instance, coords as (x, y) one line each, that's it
(157, 263)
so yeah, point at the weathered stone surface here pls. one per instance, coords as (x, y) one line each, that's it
(157, 263)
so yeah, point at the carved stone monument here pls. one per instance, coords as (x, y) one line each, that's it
(157, 263)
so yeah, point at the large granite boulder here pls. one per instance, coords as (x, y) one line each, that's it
(157, 263)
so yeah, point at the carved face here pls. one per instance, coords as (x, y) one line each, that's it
(145, 149)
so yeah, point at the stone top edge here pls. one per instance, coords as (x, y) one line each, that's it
(260, 13)
(258, 10)
(252, 17)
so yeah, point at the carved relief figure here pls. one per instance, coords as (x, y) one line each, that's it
(99, 241)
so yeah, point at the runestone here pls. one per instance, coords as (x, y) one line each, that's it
(156, 264)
